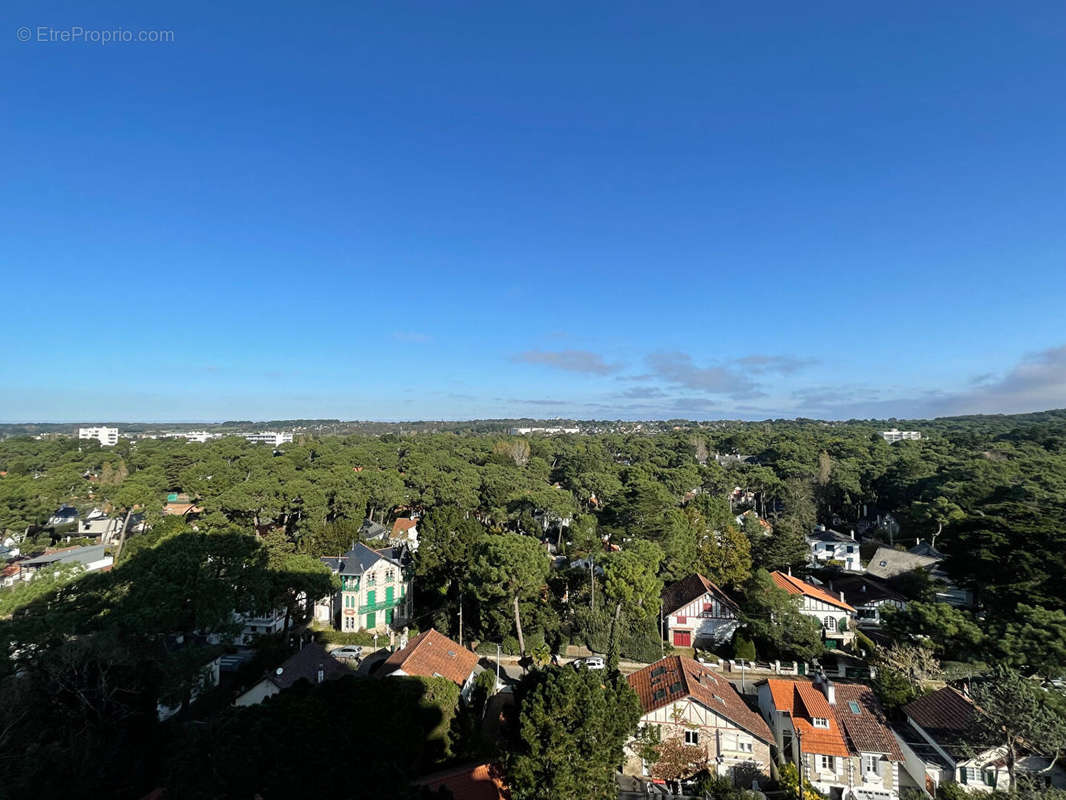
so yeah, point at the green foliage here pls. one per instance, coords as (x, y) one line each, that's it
(790, 781)
(572, 726)
(946, 629)
(773, 618)
(893, 688)
(743, 648)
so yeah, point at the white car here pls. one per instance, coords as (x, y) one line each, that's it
(348, 652)
(592, 662)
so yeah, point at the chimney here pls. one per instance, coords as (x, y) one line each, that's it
(853, 535)
(842, 600)
(827, 687)
(790, 571)
(321, 673)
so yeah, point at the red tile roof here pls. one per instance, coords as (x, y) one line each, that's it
(675, 677)
(481, 782)
(797, 587)
(430, 654)
(403, 524)
(803, 701)
(686, 590)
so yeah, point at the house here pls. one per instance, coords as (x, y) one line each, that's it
(405, 533)
(767, 528)
(92, 558)
(847, 749)
(829, 545)
(375, 590)
(896, 435)
(9, 575)
(210, 672)
(695, 610)
(64, 515)
(269, 623)
(432, 654)
(476, 782)
(831, 611)
(98, 525)
(942, 720)
(372, 531)
(870, 596)
(682, 698)
(312, 664)
(887, 562)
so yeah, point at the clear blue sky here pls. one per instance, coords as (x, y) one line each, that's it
(604, 210)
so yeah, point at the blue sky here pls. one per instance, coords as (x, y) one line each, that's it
(455, 210)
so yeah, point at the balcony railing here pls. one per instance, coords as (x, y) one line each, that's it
(380, 605)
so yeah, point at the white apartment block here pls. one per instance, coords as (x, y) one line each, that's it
(896, 435)
(108, 437)
(269, 437)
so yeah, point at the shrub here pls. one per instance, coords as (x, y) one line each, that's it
(510, 645)
(743, 648)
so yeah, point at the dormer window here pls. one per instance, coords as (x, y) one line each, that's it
(371, 579)
(820, 722)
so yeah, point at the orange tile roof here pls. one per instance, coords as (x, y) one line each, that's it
(798, 587)
(674, 678)
(403, 524)
(432, 653)
(803, 701)
(481, 782)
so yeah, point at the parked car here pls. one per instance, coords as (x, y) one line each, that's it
(592, 662)
(351, 652)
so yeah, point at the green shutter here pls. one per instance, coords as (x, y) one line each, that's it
(371, 597)
(388, 595)
(371, 620)
(388, 616)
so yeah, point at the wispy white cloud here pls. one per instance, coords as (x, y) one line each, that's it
(582, 361)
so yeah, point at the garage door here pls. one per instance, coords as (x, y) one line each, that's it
(682, 638)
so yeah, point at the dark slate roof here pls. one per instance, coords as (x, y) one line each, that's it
(867, 730)
(688, 589)
(829, 535)
(946, 715)
(305, 664)
(74, 555)
(373, 530)
(861, 589)
(359, 559)
(925, 549)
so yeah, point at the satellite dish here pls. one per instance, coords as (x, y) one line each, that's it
(279, 670)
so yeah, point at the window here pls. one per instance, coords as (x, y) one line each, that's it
(851, 548)
(970, 775)
(870, 764)
(371, 579)
(830, 624)
(692, 737)
(854, 707)
(820, 722)
(827, 763)
(989, 774)
(389, 576)
(681, 619)
(744, 745)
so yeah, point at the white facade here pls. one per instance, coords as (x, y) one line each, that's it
(266, 625)
(896, 435)
(548, 431)
(108, 437)
(706, 619)
(269, 437)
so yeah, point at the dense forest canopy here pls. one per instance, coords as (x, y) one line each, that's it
(87, 658)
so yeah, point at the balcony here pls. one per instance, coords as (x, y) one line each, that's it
(381, 605)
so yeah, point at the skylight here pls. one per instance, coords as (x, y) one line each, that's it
(854, 707)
